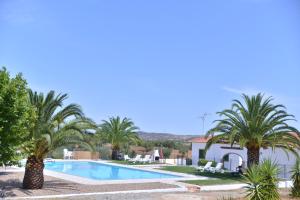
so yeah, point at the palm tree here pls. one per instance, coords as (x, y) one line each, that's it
(119, 132)
(255, 124)
(55, 126)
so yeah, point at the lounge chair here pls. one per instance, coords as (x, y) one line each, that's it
(68, 154)
(126, 157)
(147, 159)
(218, 168)
(204, 168)
(136, 159)
(48, 160)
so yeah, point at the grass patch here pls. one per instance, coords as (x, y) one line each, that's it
(219, 178)
(180, 169)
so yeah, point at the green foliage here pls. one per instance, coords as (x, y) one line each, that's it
(132, 154)
(58, 153)
(203, 162)
(255, 124)
(262, 181)
(16, 116)
(105, 153)
(167, 152)
(295, 192)
(171, 144)
(55, 126)
(118, 132)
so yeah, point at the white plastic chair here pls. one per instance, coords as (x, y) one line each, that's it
(70, 154)
(205, 168)
(146, 159)
(65, 153)
(126, 157)
(136, 159)
(218, 168)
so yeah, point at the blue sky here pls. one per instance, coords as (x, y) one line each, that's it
(161, 63)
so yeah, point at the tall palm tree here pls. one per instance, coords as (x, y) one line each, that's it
(55, 126)
(119, 132)
(255, 124)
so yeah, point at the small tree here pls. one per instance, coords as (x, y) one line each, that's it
(262, 181)
(295, 192)
(167, 153)
(16, 116)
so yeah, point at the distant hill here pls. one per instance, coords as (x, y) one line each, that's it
(165, 136)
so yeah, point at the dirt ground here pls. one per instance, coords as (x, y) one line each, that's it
(11, 183)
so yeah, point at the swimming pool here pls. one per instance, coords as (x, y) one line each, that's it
(101, 171)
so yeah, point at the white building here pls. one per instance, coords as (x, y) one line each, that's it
(234, 156)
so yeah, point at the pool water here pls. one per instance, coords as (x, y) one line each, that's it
(100, 171)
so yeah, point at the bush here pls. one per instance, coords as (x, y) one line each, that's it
(166, 153)
(105, 153)
(262, 181)
(132, 154)
(295, 192)
(58, 153)
(203, 162)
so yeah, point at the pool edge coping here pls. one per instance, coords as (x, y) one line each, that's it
(88, 181)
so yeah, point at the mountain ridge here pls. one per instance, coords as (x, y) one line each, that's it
(152, 136)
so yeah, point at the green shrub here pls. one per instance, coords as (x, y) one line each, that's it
(105, 153)
(262, 181)
(295, 192)
(58, 153)
(203, 162)
(166, 153)
(132, 154)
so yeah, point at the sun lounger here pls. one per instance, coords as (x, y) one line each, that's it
(147, 159)
(136, 159)
(218, 168)
(204, 168)
(48, 160)
(126, 157)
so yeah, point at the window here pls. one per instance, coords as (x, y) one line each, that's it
(201, 154)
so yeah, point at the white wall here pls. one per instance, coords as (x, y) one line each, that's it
(216, 153)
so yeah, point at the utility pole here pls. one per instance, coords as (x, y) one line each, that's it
(203, 118)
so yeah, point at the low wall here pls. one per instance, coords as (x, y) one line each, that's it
(86, 155)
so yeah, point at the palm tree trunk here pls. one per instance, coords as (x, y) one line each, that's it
(252, 156)
(34, 176)
(114, 154)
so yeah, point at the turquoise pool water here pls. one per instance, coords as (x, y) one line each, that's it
(99, 171)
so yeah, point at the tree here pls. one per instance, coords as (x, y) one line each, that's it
(295, 191)
(119, 132)
(55, 126)
(255, 124)
(16, 116)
